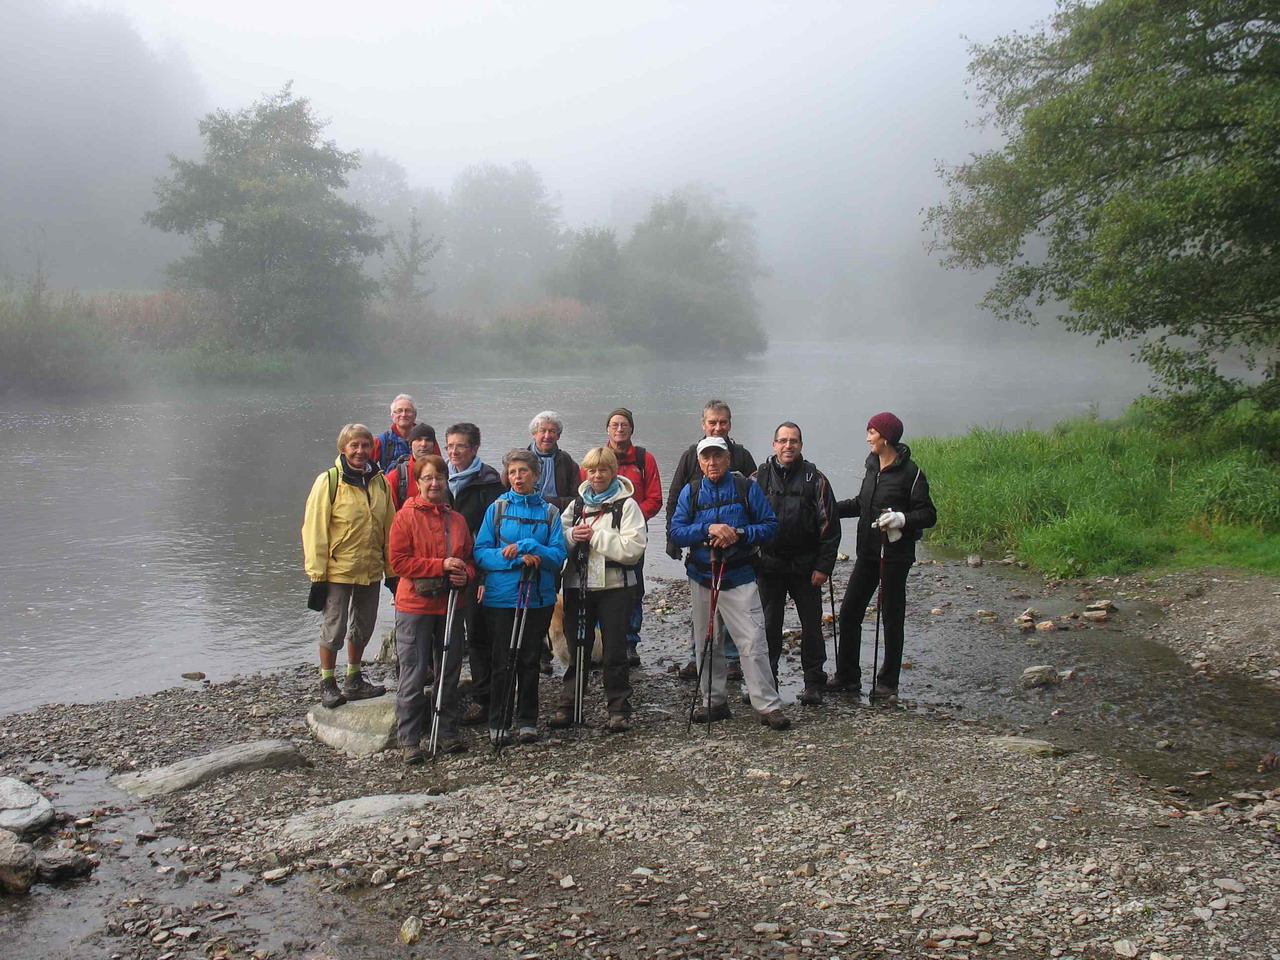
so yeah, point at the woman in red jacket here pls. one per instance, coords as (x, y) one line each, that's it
(430, 551)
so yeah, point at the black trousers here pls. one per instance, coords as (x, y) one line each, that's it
(501, 621)
(893, 614)
(612, 610)
(774, 591)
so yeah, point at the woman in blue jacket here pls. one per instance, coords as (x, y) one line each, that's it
(521, 549)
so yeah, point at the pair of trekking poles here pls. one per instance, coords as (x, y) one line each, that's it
(451, 608)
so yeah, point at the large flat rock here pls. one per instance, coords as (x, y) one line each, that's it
(360, 728)
(23, 810)
(187, 773)
(329, 824)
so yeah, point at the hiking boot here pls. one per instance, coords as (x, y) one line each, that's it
(546, 668)
(883, 694)
(562, 717)
(618, 723)
(451, 745)
(429, 678)
(475, 713)
(719, 711)
(810, 696)
(840, 684)
(733, 670)
(412, 755)
(633, 658)
(330, 695)
(527, 735)
(356, 687)
(775, 720)
(746, 698)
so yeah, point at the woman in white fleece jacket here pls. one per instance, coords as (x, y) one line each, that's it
(606, 535)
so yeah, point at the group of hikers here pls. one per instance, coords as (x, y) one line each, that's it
(477, 560)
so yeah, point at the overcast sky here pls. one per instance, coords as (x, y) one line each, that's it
(826, 118)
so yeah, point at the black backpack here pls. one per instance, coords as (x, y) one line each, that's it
(616, 508)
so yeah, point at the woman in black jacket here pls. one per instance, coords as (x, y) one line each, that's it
(893, 510)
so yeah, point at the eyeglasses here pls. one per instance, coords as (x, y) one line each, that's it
(452, 447)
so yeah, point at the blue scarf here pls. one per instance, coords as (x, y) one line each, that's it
(595, 499)
(460, 478)
(547, 476)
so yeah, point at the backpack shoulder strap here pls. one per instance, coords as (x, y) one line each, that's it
(333, 485)
(617, 506)
(742, 485)
(641, 457)
(499, 508)
(402, 482)
(579, 505)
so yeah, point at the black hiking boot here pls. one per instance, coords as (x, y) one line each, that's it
(560, 718)
(330, 695)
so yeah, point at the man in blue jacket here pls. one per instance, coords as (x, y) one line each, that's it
(724, 518)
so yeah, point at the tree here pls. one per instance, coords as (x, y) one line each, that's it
(592, 269)
(270, 234)
(689, 267)
(1139, 186)
(502, 235)
(409, 259)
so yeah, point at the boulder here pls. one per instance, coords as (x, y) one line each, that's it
(361, 728)
(162, 781)
(331, 823)
(1027, 746)
(23, 810)
(17, 864)
(62, 863)
(1039, 676)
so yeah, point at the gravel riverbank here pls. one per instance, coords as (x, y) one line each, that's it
(858, 833)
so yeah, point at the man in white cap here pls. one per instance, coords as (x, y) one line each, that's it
(723, 517)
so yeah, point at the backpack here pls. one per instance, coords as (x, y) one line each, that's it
(616, 508)
(333, 484)
(401, 466)
(808, 490)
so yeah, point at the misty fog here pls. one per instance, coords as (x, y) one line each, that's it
(826, 120)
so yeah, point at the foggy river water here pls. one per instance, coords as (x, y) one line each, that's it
(142, 540)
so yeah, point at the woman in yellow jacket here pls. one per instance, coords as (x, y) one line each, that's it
(344, 547)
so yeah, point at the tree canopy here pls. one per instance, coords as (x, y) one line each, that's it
(270, 233)
(688, 274)
(1138, 189)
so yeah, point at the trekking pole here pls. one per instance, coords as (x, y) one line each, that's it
(717, 571)
(875, 656)
(581, 660)
(438, 699)
(523, 590)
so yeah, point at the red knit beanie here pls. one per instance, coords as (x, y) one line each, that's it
(888, 426)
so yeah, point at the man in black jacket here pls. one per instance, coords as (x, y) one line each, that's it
(473, 486)
(800, 559)
(717, 420)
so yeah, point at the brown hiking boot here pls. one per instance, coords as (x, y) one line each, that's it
(562, 717)
(356, 687)
(720, 711)
(618, 723)
(883, 694)
(810, 696)
(412, 754)
(775, 720)
(475, 713)
(689, 671)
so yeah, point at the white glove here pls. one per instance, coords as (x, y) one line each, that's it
(892, 523)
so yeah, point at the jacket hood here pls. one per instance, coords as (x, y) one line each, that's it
(422, 503)
(904, 454)
(625, 489)
(527, 499)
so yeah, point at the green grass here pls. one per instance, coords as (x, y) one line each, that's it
(1105, 497)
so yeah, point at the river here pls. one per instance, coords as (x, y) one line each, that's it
(146, 539)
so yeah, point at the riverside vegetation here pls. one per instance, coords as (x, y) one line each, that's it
(1092, 496)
